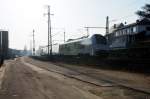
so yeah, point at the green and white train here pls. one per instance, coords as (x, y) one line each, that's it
(93, 46)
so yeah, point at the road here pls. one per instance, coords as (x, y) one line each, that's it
(24, 79)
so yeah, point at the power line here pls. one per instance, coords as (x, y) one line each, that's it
(106, 27)
(63, 33)
(55, 34)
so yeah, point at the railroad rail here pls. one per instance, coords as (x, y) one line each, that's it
(107, 81)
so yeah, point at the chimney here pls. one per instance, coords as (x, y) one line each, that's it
(137, 21)
(114, 25)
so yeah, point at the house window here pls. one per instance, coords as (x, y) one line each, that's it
(121, 32)
(128, 31)
(134, 29)
(125, 32)
(131, 30)
(116, 33)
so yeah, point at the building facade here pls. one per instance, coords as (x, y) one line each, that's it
(123, 36)
(4, 44)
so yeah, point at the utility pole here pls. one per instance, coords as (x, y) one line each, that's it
(30, 47)
(64, 36)
(33, 43)
(107, 25)
(49, 31)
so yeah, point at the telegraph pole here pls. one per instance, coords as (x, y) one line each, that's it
(64, 36)
(33, 43)
(107, 25)
(48, 29)
(30, 47)
(49, 32)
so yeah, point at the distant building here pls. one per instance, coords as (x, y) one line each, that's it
(4, 43)
(122, 35)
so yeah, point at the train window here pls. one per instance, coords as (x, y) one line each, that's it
(81, 46)
(76, 45)
(65, 46)
(148, 28)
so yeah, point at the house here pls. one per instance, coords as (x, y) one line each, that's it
(122, 35)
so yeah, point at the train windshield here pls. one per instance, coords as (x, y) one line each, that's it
(100, 39)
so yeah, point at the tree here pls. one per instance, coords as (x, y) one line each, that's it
(145, 12)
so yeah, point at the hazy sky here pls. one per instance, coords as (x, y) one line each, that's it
(20, 17)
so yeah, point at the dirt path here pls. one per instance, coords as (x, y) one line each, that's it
(23, 82)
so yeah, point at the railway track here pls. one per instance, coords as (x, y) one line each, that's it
(113, 82)
(110, 83)
(121, 85)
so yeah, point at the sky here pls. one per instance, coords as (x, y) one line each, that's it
(20, 17)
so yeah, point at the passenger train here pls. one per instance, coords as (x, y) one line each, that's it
(93, 46)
